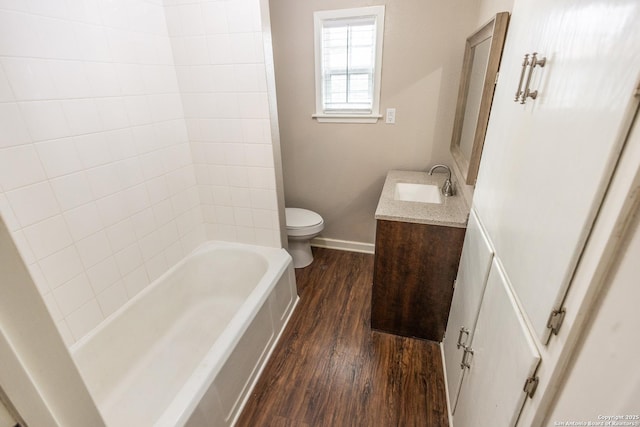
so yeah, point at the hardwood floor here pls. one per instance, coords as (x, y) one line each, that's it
(330, 369)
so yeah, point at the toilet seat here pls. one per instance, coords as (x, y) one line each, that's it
(302, 222)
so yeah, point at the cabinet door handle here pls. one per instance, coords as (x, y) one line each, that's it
(463, 331)
(535, 62)
(525, 62)
(467, 356)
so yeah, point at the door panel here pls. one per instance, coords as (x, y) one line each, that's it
(504, 357)
(546, 164)
(472, 278)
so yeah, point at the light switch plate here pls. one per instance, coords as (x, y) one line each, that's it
(391, 116)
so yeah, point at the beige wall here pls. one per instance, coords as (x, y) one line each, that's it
(338, 169)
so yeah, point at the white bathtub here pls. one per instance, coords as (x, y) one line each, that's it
(188, 349)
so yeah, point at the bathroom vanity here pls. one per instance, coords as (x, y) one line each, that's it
(419, 236)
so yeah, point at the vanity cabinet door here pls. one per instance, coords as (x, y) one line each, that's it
(414, 269)
(504, 356)
(467, 296)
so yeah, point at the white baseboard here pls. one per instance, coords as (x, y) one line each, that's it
(343, 245)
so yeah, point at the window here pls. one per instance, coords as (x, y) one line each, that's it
(348, 50)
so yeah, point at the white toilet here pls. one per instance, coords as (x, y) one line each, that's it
(302, 226)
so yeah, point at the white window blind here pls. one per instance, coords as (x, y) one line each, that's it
(348, 64)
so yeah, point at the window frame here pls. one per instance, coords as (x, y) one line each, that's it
(345, 115)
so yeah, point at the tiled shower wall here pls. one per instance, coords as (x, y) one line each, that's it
(97, 179)
(220, 64)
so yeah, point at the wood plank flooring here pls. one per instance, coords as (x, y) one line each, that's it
(330, 369)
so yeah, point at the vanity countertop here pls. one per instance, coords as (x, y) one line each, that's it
(452, 212)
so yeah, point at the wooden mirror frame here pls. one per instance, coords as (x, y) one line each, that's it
(496, 30)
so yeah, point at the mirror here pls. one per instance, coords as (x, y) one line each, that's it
(479, 69)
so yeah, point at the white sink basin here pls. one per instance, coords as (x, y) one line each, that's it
(424, 193)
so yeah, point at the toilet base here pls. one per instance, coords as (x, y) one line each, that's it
(300, 251)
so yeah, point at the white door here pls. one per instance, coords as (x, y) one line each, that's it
(546, 163)
(504, 356)
(469, 287)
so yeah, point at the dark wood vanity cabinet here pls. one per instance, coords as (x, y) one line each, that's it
(415, 267)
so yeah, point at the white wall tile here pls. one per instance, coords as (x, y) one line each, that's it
(262, 177)
(29, 78)
(263, 199)
(83, 221)
(143, 223)
(48, 8)
(18, 35)
(254, 105)
(112, 113)
(215, 18)
(104, 180)
(102, 79)
(72, 190)
(82, 116)
(59, 157)
(33, 203)
(17, 5)
(138, 110)
(6, 93)
(120, 144)
(135, 281)
(44, 119)
(121, 235)
(151, 245)
(73, 294)
(20, 166)
(242, 16)
(93, 249)
(84, 319)
(48, 236)
(58, 39)
(69, 79)
(156, 266)
(13, 130)
(92, 42)
(241, 197)
(128, 259)
(93, 149)
(61, 266)
(112, 298)
(113, 209)
(103, 274)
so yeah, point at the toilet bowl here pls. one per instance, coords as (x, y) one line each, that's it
(302, 226)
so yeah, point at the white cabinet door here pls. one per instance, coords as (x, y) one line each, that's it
(472, 278)
(504, 356)
(546, 164)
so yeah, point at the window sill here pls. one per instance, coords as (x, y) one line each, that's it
(347, 118)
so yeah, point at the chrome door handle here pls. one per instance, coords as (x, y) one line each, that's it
(535, 62)
(463, 331)
(467, 356)
(525, 62)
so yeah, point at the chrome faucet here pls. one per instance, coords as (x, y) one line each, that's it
(447, 187)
